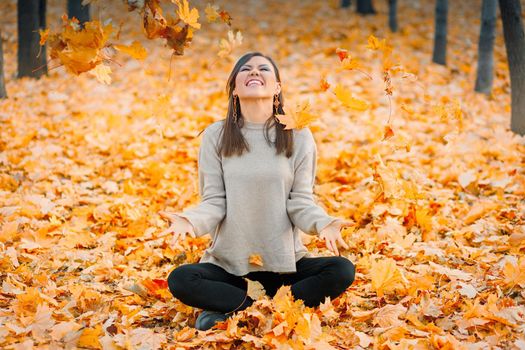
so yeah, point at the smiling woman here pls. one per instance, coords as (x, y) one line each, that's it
(254, 203)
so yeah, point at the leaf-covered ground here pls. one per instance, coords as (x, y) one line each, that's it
(439, 206)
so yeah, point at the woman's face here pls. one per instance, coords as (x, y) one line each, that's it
(260, 72)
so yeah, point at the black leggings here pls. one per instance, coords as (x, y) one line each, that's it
(210, 287)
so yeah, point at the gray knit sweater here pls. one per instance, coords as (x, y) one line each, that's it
(256, 203)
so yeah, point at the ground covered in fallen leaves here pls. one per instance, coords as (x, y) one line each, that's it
(438, 204)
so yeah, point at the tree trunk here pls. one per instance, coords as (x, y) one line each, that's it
(487, 35)
(346, 3)
(515, 47)
(28, 17)
(42, 58)
(75, 9)
(392, 15)
(3, 93)
(440, 33)
(365, 7)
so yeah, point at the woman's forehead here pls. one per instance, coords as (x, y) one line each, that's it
(258, 60)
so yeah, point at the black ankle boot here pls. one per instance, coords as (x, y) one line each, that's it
(208, 319)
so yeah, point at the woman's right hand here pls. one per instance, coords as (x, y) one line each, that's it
(179, 226)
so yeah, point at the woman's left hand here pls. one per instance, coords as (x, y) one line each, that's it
(332, 234)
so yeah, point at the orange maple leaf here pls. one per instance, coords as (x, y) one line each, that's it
(349, 63)
(344, 95)
(298, 117)
(385, 275)
(388, 132)
(225, 16)
(135, 50)
(324, 85)
(341, 53)
(256, 259)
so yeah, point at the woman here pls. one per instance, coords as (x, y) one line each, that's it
(256, 185)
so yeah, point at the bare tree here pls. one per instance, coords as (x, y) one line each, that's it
(76, 9)
(346, 3)
(392, 15)
(440, 33)
(3, 92)
(31, 17)
(365, 7)
(487, 34)
(515, 47)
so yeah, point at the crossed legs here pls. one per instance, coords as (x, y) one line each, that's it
(210, 287)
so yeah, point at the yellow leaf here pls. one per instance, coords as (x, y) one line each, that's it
(227, 46)
(212, 12)
(344, 95)
(89, 338)
(135, 50)
(376, 44)
(255, 289)
(385, 276)
(101, 72)
(297, 118)
(43, 36)
(515, 273)
(256, 259)
(349, 63)
(388, 315)
(188, 16)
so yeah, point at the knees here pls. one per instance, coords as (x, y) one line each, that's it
(181, 281)
(345, 271)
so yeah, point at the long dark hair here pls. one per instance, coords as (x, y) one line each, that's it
(232, 141)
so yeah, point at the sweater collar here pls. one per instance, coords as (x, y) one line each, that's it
(255, 126)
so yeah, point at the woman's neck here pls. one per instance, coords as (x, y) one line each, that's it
(257, 110)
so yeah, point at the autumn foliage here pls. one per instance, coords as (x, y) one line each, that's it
(425, 167)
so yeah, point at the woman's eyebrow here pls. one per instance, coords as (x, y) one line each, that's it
(249, 65)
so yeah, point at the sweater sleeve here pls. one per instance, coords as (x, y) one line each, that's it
(212, 209)
(300, 205)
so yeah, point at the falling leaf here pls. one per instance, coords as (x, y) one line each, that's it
(43, 36)
(388, 133)
(344, 95)
(256, 259)
(349, 63)
(298, 117)
(135, 50)
(102, 73)
(188, 16)
(226, 17)
(212, 12)
(341, 53)
(324, 85)
(227, 46)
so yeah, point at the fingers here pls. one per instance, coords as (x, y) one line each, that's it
(174, 241)
(166, 231)
(343, 243)
(163, 214)
(347, 223)
(332, 246)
